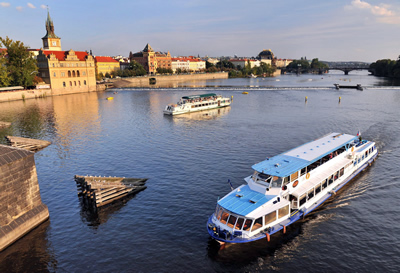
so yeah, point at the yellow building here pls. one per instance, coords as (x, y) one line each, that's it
(66, 71)
(106, 65)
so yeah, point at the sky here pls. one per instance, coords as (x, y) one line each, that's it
(331, 30)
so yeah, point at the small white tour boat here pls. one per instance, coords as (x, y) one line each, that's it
(196, 103)
(288, 186)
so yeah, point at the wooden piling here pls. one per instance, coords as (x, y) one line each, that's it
(98, 191)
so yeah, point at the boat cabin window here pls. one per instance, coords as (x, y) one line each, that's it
(283, 211)
(303, 199)
(286, 180)
(317, 189)
(330, 180)
(270, 217)
(257, 224)
(232, 221)
(303, 171)
(294, 176)
(276, 182)
(336, 175)
(293, 199)
(341, 172)
(325, 183)
(310, 193)
(224, 217)
(247, 224)
(239, 223)
(219, 212)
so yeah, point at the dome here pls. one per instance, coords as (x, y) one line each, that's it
(266, 54)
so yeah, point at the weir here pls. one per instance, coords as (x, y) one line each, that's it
(21, 207)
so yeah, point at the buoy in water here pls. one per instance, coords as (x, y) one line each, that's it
(340, 98)
(306, 98)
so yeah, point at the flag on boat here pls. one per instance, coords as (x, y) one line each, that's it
(358, 133)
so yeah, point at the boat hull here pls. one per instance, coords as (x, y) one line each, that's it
(227, 237)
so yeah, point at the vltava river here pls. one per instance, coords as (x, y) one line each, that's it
(188, 160)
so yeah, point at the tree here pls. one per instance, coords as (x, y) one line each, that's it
(137, 68)
(5, 78)
(19, 63)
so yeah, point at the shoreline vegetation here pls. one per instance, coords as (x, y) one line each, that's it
(386, 68)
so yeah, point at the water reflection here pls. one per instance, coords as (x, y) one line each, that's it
(201, 115)
(31, 253)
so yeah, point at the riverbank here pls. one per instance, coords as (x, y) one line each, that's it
(165, 81)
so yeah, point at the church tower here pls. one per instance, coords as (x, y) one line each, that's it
(51, 41)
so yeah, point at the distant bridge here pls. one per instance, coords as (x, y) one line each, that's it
(346, 69)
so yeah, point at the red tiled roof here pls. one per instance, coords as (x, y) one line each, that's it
(102, 59)
(61, 55)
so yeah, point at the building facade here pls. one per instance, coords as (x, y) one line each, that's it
(151, 60)
(243, 62)
(106, 65)
(66, 71)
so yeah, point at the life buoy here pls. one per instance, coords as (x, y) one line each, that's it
(352, 149)
(308, 176)
(295, 183)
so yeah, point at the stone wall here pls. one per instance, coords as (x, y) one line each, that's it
(24, 94)
(21, 207)
(165, 79)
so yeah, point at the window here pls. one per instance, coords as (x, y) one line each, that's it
(257, 224)
(310, 194)
(69, 74)
(330, 180)
(64, 84)
(247, 224)
(224, 217)
(303, 199)
(239, 223)
(317, 189)
(283, 211)
(341, 172)
(78, 74)
(303, 171)
(75, 83)
(84, 73)
(84, 82)
(79, 83)
(294, 176)
(54, 74)
(62, 74)
(232, 221)
(325, 184)
(219, 213)
(73, 73)
(270, 217)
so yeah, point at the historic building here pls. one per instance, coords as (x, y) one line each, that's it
(151, 60)
(106, 65)
(66, 71)
(189, 64)
(243, 62)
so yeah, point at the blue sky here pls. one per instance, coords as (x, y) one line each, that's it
(339, 30)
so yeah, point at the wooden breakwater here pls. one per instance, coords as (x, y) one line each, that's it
(29, 144)
(4, 124)
(97, 191)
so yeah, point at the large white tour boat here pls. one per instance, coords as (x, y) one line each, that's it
(196, 103)
(288, 186)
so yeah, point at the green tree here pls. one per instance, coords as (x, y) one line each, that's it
(5, 78)
(137, 68)
(19, 64)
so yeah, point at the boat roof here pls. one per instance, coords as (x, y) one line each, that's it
(248, 201)
(199, 96)
(287, 163)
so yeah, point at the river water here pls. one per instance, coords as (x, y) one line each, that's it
(188, 160)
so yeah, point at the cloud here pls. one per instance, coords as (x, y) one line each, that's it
(43, 6)
(31, 6)
(19, 8)
(383, 12)
(5, 4)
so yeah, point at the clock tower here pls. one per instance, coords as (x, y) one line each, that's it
(51, 41)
